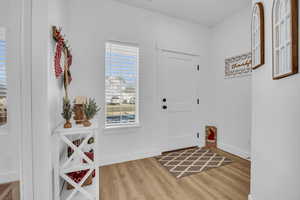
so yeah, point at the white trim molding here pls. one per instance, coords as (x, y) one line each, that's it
(234, 150)
(162, 46)
(109, 160)
(26, 138)
(9, 177)
(250, 197)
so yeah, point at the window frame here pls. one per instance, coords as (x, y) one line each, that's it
(4, 127)
(258, 12)
(137, 100)
(293, 30)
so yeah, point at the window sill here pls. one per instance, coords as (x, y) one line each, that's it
(117, 127)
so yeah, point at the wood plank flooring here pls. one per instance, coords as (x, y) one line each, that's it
(10, 191)
(147, 180)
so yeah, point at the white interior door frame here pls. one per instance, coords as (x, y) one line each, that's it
(26, 137)
(18, 24)
(160, 51)
(35, 151)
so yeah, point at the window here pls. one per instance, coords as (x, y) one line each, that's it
(258, 36)
(3, 79)
(285, 44)
(121, 84)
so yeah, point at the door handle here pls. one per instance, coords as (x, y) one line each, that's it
(164, 107)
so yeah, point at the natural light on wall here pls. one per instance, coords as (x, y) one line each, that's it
(121, 84)
(3, 81)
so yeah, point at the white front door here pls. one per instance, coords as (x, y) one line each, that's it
(178, 74)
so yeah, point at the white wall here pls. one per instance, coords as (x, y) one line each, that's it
(275, 129)
(95, 23)
(58, 15)
(233, 96)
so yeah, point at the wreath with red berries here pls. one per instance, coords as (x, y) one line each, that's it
(62, 48)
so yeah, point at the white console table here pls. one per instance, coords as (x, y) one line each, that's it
(65, 164)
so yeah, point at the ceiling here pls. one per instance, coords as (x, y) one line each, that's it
(206, 12)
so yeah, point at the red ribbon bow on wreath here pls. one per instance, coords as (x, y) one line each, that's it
(57, 58)
(61, 47)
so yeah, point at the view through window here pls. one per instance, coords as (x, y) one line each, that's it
(3, 81)
(121, 84)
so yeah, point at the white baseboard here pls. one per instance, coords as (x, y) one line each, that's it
(201, 145)
(250, 197)
(9, 177)
(126, 157)
(109, 160)
(234, 150)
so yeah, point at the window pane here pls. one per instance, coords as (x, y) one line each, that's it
(282, 37)
(287, 6)
(277, 37)
(277, 12)
(277, 62)
(288, 58)
(288, 30)
(121, 66)
(258, 54)
(3, 79)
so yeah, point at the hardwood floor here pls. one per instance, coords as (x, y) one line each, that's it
(147, 180)
(10, 191)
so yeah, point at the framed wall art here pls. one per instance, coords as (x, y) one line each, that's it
(258, 36)
(238, 66)
(285, 38)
